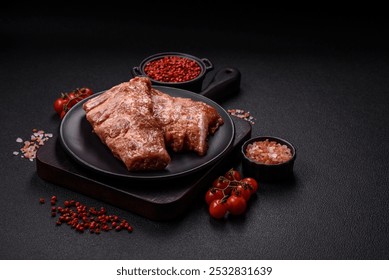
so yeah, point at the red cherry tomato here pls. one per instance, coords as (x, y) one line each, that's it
(85, 92)
(236, 205)
(72, 100)
(218, 209)
(252, 183)
(213, 194)
(67, 101)
(59, 104)
(62, 114)
(233, 175)
(242, 191)
(220, 183)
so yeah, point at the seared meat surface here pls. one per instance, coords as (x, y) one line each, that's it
(186, 123)
(137, 123)
(123, 119)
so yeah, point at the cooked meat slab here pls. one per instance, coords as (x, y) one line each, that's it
(137, 122)
(123, 119)
(186, 123)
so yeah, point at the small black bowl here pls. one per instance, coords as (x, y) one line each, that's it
(268, 172)
(194, 85)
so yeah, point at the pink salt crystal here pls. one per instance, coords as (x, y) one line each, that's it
(30, 148)
(268, 152)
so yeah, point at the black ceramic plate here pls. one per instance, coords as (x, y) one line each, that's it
(85, 147)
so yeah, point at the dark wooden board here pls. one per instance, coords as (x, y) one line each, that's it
(164, 200)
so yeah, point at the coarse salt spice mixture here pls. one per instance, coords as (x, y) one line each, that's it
(31, 146)
(268, 152)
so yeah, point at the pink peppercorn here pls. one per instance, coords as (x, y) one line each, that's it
(83, 218)
(173, 69)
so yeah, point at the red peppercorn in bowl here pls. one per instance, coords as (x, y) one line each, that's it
(268, 158)
(174, 69)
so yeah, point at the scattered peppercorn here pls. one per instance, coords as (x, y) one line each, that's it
(81, 217)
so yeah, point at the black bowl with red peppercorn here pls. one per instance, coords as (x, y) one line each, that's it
(174, 69)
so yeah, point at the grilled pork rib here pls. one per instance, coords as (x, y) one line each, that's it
(123, 119)
(186, 123)
(137, 122)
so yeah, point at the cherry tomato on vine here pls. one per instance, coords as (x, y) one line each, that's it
(73, 99)
(59, 104)
(218, 209)
(68, 100)
(236, 205)
(62, 114)
(213, 194)
(233, 175)
(220, 183)
(242, 191)
(252, 183)
(85, 92)
(230, 194)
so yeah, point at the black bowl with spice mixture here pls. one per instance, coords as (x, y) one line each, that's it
(174, 69)
(268, 158)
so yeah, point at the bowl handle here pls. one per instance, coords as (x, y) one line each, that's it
(225, 83)
(208, 64)
(136, 72)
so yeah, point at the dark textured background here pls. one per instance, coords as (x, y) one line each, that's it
(319, 80)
